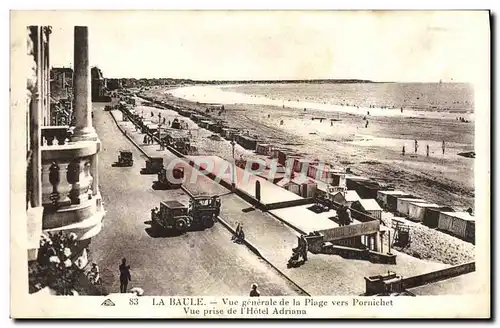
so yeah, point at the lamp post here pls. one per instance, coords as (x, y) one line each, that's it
(233, 184)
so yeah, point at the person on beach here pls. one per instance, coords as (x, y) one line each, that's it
(403, 151)
(366, 125)
(416, 146)
(444, 147)
(427, 150)
(401, 109)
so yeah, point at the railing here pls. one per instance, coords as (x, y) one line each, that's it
(55, 135)
(68, 170)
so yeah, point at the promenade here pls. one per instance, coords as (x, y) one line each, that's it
(322, 274)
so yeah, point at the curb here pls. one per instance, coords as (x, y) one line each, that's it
(251, 247)
(127, 136)
(257, 252)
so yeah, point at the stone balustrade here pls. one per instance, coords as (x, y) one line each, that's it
(70, 192)
(55, 135)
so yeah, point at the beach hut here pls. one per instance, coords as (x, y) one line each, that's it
(281, 157)
(301, 165)
(369, 206)
(402, 204)
(431, 216)
(392, 201)
(347, 197)
(457, 223)
(263, 149)
(367, 189)
(339, 179)
(416, 210)
(247, 142)
(352, 181)
(382, 196)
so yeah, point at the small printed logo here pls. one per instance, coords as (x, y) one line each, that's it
(108, 302)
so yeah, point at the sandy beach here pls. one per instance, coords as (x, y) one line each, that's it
(374, 151)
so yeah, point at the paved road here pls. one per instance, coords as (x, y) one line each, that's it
(197, 263)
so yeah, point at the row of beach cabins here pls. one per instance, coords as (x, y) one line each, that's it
(310, 179)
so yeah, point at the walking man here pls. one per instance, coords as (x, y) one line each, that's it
(403, 151)
(427, 150)
(124, 276)
(304, 248)
(444, 147)
(416, 146)
(254, 292)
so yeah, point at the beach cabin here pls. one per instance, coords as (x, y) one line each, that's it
(460, 224)
(402, 204)
(263, 149)
(338, 179)
(301, 165)
(246, 142)
(299, 185)
(322, 173)
(204, 124)
(416, 210)
(368, 189)
(382, 196)
(431, 216)
(351, 180)
(369, 206)
(347, 197)
(392, 201)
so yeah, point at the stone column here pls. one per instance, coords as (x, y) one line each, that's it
(35, 123)
(82, 87)
(94, 171)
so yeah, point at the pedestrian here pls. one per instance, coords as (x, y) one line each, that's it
(444, 147)
(366, 125)
(304, 248)
(403, 151)
(427, 150)
(416, 146)
(124, 276)
(254, 292)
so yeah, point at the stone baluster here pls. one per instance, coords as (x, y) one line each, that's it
(64, 188)
(73, 177)
(94, 173)
(54, 179)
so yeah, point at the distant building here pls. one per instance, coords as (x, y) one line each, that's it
(98, 84)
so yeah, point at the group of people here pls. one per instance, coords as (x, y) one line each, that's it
(443, 148)
(148, 140)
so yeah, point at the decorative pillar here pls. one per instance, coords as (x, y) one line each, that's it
(95, 174)
(82, 87)
(35, 122)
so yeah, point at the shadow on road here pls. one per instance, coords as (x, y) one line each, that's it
(169, 233)
(116, 164)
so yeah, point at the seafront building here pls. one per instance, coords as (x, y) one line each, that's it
(62, 191)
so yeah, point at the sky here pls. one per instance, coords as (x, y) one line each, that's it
(253, 45)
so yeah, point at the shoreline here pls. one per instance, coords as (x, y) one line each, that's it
(222, 94)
